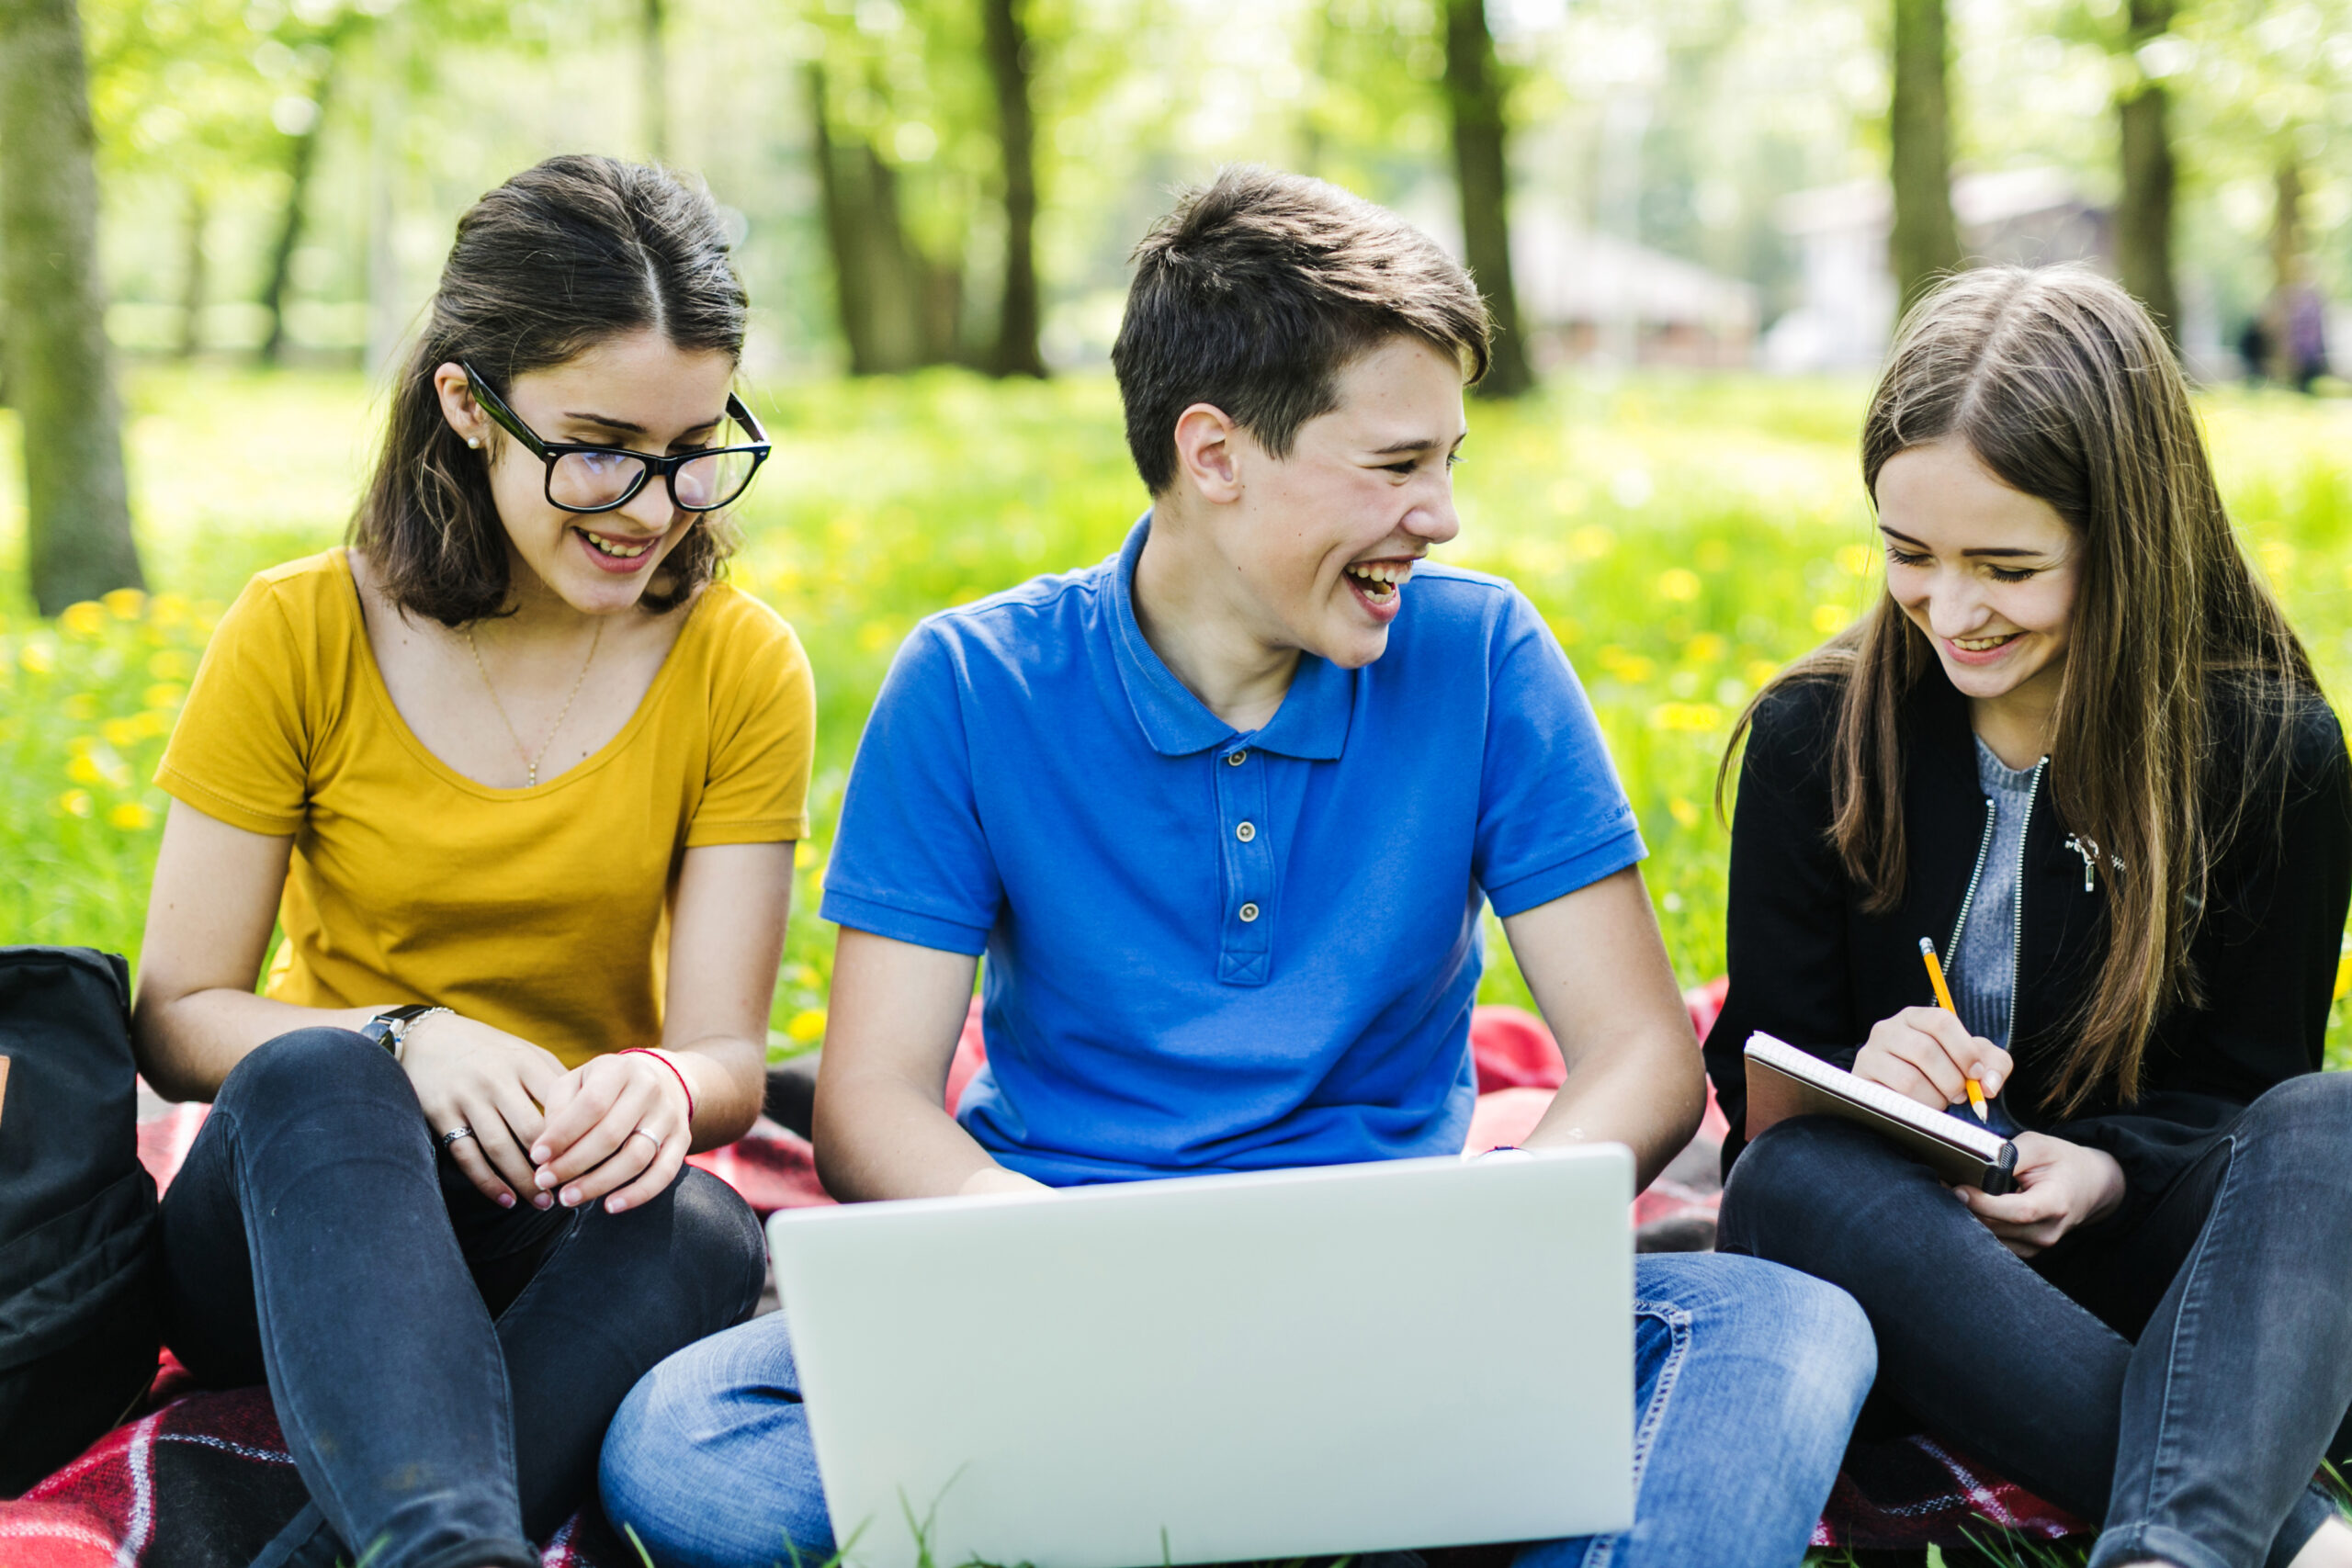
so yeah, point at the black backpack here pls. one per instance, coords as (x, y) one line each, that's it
(79, 1308)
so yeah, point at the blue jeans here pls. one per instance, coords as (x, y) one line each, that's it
(443, 1368)
(1747, 1380)
(2180, 1377)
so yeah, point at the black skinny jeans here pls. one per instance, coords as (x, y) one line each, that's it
(444, 1369)
(2180, 1379)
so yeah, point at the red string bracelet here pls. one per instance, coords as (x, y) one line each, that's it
(643, 1051)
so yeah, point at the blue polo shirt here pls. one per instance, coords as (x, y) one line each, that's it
(1210, 950)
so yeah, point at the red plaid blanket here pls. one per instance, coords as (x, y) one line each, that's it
(203, 1479)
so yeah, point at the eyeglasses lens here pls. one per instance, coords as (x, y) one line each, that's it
(593, 480)
(714, 480)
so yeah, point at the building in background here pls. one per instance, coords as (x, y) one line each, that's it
(1595, 298)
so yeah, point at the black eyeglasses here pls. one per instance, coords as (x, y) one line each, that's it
(601, 478)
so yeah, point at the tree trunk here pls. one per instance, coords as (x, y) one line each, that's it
(77, 507)
(653, 66)
(301, 158)
(2144, 215)
(879, 285)
(1474, 93)
(1007, 47)
(192, 274)
(1925, 242)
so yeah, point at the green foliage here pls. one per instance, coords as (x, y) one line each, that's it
(1684, 537)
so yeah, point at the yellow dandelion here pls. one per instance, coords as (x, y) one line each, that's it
(37, 658)
(83, 745)
(804, 855)
(85, 770)
(1591, 542)
(876, 637)
(2343, 975)
(167, 609)
(87, 618)
(130, 816)
(1828, 619)
(2278, 559)
(128, 604)
(163, 694)
(1678, 583)
(1569, 630)
(1706, 648)
(82, 706)
(122, 733)
(171, 665)
(1687, 717)
(807, 1026)
(1685, 814)
(1856, 561)
(153, 723)
(74, 803)
(1760, 671)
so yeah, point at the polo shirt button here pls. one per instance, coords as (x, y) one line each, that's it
(1246, 831)
(1235, 759)
(1249, 912)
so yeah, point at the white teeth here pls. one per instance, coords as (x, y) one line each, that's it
(1981, 643)
(1382, 572)
(623, 552)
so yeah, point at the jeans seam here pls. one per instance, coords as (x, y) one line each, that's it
(2163, 1451)
(1678, 1322)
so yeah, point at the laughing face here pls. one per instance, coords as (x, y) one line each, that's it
(1318, 548)
(639, 392)
(1989, 573)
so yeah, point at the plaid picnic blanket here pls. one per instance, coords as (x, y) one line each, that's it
(202, 1479)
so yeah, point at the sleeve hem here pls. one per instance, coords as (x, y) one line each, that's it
(752, 831)
(903, 925)
(213, 803)
(1583, 869)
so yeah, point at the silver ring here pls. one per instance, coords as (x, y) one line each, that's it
(454, 1133)
(642, 1133)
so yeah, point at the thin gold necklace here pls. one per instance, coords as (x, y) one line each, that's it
(530, 762)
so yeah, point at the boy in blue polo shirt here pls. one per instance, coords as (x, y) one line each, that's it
(1223, 813)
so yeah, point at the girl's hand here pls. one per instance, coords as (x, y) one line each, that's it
(2060, 1186)
(618, 1125)
(1928, 1054)
(470, 1074)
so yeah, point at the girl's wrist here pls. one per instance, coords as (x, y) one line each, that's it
(677, 1071)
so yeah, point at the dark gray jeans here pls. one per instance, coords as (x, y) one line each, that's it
(444, 1369)
(2180, 1379)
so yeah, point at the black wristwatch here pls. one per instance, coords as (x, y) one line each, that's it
(389, 1028)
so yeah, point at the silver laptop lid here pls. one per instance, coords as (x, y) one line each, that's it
(1344, 1360)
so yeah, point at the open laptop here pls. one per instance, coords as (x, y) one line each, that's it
(1351, 1359)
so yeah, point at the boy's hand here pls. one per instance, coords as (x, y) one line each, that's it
(2060, 1186)
(1928, 1054)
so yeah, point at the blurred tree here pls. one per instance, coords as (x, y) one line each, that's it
(1475, 94)
(2144, 215)
(900, 308)
(77, 507)
(1009, 49)
(654, 79)
(302, 116)
(1925, 242)
(194, 273)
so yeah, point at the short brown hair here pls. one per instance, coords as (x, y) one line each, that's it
(565, 255)
(1253, 294)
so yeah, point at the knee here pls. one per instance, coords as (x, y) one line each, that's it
(713, 1259)
(1805, 1335)
(1774, 1193)
(2307, 1121)
(288, 1073)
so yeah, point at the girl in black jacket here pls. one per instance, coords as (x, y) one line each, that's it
(2076, 743)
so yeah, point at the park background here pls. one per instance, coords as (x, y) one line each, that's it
(1695, 218)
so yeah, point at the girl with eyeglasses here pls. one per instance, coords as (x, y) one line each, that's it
(520, 782)
(2077, 744)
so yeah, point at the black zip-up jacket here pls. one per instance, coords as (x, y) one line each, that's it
(1809, 965)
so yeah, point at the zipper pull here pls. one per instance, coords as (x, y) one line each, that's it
(2089, 849)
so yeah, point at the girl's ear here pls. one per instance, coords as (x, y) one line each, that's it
(455, 392)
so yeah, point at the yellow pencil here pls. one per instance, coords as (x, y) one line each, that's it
(1943, 1001)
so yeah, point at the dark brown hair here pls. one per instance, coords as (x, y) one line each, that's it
(1256, 291)
(561, 257)
(2062, 387)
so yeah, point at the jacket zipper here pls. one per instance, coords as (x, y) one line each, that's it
(1983, 848)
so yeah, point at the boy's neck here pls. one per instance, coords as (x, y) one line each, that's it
(1196, 617)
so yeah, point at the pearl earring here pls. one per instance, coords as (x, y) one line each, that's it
(474, 442)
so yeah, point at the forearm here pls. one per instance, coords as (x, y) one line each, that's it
(186, 1045)
(879, 1136)
(1650, 1099)
(727, 1078)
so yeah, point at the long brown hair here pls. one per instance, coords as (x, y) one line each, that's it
(2061, 385)
(567, 254)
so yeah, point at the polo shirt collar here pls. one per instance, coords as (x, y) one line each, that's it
(1312, 723)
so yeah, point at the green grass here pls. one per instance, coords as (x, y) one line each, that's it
(1683, 536)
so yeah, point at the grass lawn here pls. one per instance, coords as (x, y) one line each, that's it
(1684, 536)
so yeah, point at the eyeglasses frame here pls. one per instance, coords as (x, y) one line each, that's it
(550, 452)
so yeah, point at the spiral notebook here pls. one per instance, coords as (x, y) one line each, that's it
(1783, 1081)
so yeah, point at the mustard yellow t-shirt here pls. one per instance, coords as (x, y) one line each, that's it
(542, 911)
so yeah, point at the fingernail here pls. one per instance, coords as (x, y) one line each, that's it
(539, 1154)
(506, 1199)
(544, 1178)
(1992, 1082)
(615, 1205)
(542, 1201)
(571, 1197)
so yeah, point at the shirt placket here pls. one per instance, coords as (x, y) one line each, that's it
(1246, 935)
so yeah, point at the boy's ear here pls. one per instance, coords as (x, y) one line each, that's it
(1208, 455)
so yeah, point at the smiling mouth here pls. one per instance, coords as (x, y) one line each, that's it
(1379, 581)
(613, 547)
(1984, 644)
